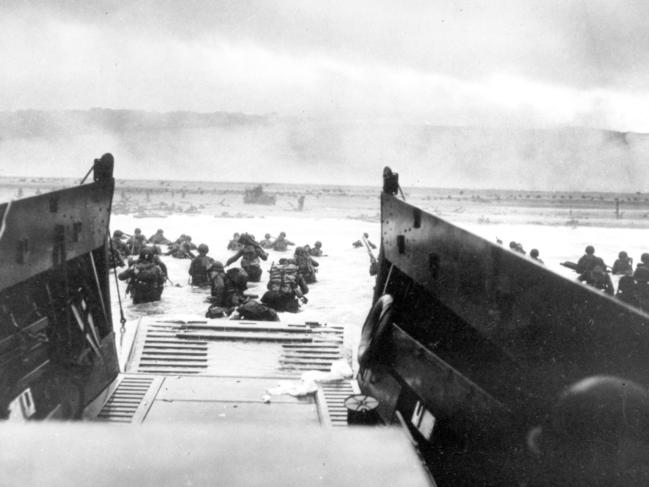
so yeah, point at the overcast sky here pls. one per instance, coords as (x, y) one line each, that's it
(446, 62)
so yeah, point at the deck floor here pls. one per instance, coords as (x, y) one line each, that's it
(220, 371)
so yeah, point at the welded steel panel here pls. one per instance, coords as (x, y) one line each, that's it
(40, 232)
(551, 330)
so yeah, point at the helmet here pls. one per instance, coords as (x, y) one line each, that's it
(118, 234)
(188, 238)
(146, 254)
(203, 249)
(590, 249)
(623, 255)
(217, 266)
(318, 243)
(242, 280)
(267, 235)
(282, 234)
(137, 230)
(299, 250)
(159, 230)
(645, 258)
(239, 277)
(601, 409)
(534, 253)
(596, 435)
(236, 235)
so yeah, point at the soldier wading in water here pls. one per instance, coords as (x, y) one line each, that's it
(145, 278)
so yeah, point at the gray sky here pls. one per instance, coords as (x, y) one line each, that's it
(537, 63)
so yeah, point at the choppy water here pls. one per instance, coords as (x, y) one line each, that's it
(342, 294)
(344, 289)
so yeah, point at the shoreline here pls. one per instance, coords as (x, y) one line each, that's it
(160, 199)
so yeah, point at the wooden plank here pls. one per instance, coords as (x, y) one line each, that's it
(318, 325)
(170, 367)
(307, 346)
(253, 328)
(303, 368)
(162, 341)
(174, 363)
(180, 322)
(120, 409)
(246, 336)
(126, 393)
(142, 389)
(171, 371)
(173, 353)
(183, 363)
(305, 361)
(174, 349)
(331, 355)
(116, 414)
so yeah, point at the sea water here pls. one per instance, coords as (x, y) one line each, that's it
(344, 289)
(342, 295)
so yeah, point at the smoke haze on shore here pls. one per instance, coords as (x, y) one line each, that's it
(540, 94)
(235, 147)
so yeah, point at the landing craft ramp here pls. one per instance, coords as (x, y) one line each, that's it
(193, 369)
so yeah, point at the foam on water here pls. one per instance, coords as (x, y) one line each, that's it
(342, 294)
(344, 289)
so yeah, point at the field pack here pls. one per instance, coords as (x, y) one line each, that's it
(283, 278)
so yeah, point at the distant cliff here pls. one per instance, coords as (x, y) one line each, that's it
(238, 147)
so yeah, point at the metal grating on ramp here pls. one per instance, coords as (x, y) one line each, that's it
(163, 352)
(202, 347)
(331, 397)
(125, 401)
(324, 348)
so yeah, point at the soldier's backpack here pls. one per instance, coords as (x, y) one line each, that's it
(215, 311)
(147, 273)
(200, 267)
(252, 310)
(283, 278)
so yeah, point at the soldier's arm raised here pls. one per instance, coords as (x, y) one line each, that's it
(233, 258)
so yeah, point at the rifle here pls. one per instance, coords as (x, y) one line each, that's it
(248, 240)
(374, 264)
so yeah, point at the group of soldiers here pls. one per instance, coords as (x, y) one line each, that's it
(633, 285)
(288, 281)
(146, 273)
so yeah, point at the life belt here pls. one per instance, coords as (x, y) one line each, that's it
(376, 324)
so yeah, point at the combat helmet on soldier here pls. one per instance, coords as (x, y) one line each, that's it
(597, 434)
(623, 264)
(199, 268)
(316, 250)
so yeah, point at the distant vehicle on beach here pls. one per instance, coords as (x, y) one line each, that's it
(257, 196)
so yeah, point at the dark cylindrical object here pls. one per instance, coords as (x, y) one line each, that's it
(362, 409)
